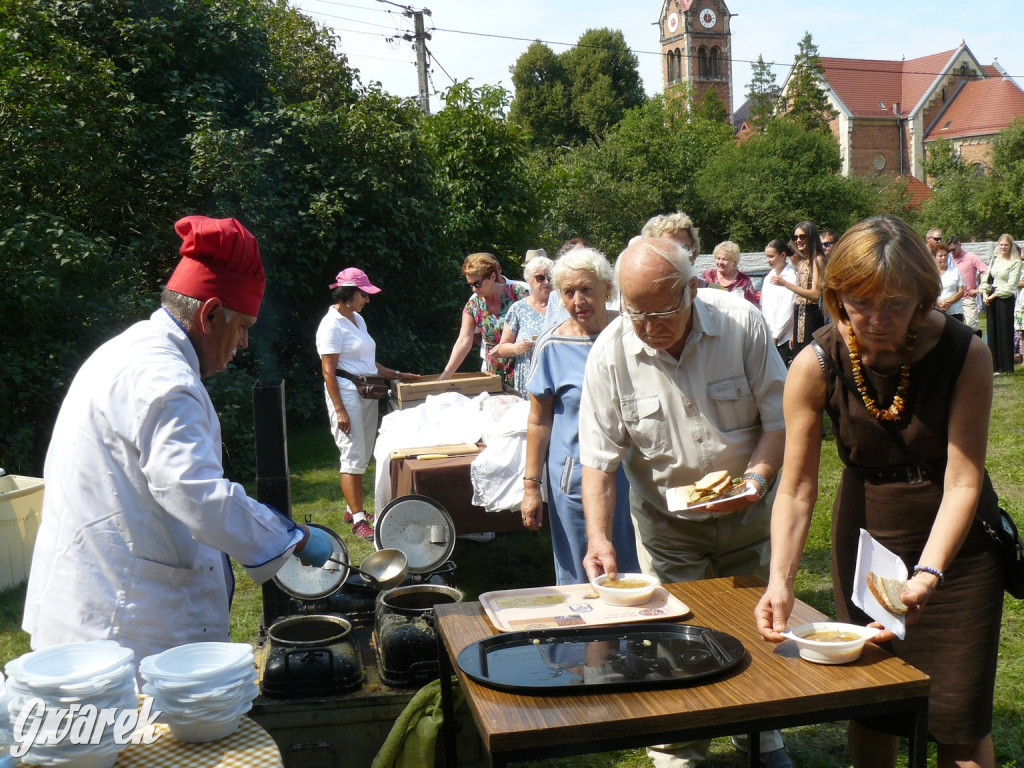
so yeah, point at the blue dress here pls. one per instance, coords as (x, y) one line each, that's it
(558, 365)
(526, 323)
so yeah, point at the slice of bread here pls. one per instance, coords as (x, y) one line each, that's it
(887, 592)
(712, 481)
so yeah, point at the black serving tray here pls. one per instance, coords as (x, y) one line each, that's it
(602, 658)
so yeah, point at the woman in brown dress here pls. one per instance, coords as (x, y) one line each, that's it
(927, 376)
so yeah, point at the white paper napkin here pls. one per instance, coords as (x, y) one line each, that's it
(872, 556)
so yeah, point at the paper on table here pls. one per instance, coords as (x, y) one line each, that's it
(872, 556)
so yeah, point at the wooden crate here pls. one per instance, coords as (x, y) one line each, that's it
(415, 392)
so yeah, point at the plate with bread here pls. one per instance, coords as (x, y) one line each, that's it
(879, 580)
(712, 489)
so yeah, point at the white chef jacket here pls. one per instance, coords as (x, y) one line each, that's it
(137, 511)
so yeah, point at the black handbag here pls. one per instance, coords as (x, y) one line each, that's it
(368, 387)
(1011, 550)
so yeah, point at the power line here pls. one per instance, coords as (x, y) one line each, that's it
(833, 67)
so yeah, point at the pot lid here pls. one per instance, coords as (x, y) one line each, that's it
(418, 526)
(307, 582)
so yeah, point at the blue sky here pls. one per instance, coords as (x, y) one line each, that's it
(481, 40)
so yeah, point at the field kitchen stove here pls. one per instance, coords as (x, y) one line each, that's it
(339, 660)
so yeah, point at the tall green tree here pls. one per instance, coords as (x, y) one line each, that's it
(807, 104)
(543, 97)
(605, 79)
(955, 204)
(763, 93)
(648, 164)
(756, 191)
(579, 94)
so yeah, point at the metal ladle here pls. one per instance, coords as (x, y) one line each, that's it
(366, 575)
(391, 566)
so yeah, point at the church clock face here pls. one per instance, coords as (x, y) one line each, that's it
(708, 18)
(672, 23)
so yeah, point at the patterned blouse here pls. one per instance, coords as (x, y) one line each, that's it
(490, 326)
(742, 285)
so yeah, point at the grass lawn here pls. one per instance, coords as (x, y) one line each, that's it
(524, 559)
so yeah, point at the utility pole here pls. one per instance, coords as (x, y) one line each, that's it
(420, 46)
(419, 43)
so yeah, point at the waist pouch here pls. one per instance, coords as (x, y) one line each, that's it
(368, 387)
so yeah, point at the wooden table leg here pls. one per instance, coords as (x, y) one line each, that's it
(448, 733)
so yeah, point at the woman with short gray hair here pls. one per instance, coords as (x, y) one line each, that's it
(525, 321)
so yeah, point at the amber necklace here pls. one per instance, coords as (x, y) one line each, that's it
(899, 401)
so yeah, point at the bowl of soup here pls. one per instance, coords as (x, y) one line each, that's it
(625, 588)
(831, 642)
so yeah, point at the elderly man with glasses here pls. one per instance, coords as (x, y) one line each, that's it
(684, 382)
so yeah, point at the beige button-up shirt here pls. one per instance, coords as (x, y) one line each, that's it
(673, 421)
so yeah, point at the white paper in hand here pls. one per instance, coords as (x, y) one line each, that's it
(872, 556)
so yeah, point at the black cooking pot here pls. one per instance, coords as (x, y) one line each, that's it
(312, 656)
(406, 633)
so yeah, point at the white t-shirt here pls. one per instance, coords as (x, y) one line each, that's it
(356, 350)
(952, 281)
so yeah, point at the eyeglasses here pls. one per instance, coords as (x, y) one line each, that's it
(541, 278)
(826, 244)
(933, 237)
(639, 318)
(477, 283)
(800, 237)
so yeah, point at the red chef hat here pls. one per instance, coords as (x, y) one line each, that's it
(220, 259)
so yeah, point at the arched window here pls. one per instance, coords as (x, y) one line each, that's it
(715, 64)
(679, 64)
(702, 63)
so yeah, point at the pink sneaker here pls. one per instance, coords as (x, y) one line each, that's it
(363, 530)
(348, 516)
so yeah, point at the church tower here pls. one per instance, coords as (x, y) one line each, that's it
(696, 44)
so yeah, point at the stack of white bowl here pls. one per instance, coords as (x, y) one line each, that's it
(99, 673)
(201, 689)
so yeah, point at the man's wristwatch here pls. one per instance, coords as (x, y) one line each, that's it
(761, 480)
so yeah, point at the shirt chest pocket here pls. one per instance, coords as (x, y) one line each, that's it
(734, 404)
(644, 420)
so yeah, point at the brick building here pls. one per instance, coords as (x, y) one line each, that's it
(890, 111)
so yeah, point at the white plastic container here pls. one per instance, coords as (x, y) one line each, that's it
(21, 508)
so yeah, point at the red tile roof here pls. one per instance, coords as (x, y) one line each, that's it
(919, 192)
(920, 74)
(981, 108)
(862, 83)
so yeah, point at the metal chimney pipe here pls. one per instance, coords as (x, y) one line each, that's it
(272, 484)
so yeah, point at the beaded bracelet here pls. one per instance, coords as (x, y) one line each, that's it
(933, 571)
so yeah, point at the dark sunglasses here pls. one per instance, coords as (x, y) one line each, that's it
(799, 237)
(477, 283)
(827, 244)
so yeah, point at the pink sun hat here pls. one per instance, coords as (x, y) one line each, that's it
(355, 277)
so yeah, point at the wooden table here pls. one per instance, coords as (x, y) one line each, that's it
(772, 688)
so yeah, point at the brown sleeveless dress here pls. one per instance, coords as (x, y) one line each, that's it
(956, 638)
